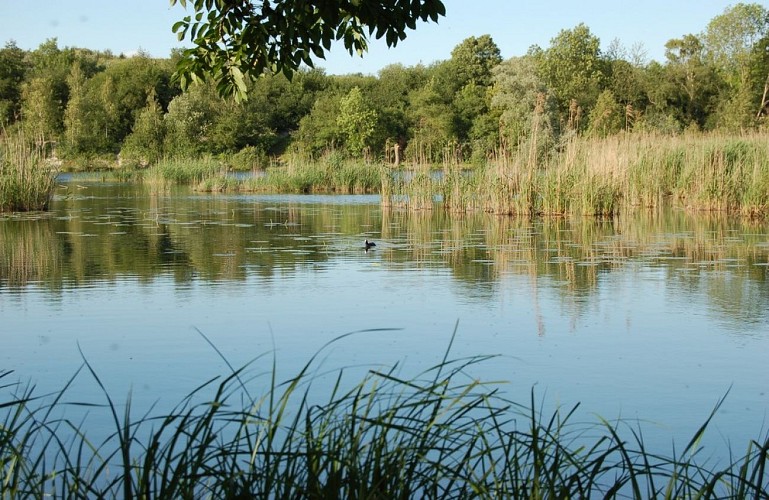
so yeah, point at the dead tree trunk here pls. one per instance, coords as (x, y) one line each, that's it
(762, 108)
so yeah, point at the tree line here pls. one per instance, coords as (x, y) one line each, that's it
(469, 108)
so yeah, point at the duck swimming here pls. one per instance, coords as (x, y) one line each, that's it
(368, 244)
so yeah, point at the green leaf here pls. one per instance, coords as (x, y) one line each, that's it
(391, 38)
(282, 35)
(318, 51)
(180, 27)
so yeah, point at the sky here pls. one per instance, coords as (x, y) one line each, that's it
(514, 25)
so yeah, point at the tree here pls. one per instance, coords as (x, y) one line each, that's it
(318, 132)
(730, 41)
(661, 113)
(144, 144)
(474, 59)
(760, 73)
(516, 87)
(42, 111)
(526, 108)
(625, 78)
(356, 121)
(433, 120)
(236, 40)
(190, 118)
(85, 121)
(731, 37)
(471, 66)
(12, 72)
(390, 98)
(695, 81)
(283, 103)
(606, 118)
(572, 69)
(125, 86)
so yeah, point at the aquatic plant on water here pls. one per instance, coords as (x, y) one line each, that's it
(440, 434)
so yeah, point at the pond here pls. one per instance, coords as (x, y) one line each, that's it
(651, 317)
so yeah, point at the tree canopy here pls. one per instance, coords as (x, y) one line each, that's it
(235, 40)
(467, 108)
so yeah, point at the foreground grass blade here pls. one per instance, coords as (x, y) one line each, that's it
(441, 434)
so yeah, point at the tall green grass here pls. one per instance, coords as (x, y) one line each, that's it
(331, 174)
(440, 434)
(173, 171)
(27, 178)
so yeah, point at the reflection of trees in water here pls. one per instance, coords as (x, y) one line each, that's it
(709, 255)
(125, 232)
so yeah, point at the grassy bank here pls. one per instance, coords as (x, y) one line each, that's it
(603, 176)
(27, 178)
(440, 434)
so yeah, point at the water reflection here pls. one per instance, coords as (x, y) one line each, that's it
(110, 232)
(654, 314)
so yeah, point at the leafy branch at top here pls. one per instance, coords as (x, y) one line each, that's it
(235, 40)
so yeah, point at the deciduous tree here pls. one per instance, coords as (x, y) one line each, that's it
(694, 80)
(235, 40)
(13, 69)
(356, 121)
(144, 145)
(730, 42)
(524, 103)
(573, 71)
(42, 111)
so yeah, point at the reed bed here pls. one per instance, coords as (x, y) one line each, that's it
(217, 183)
(412, 189)
(27, 177)
(330, 174)
(440, 434)
(601, 177)
(183, 171)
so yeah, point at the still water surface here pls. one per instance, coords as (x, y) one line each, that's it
(651, 317)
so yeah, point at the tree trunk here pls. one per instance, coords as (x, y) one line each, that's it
(762, 108)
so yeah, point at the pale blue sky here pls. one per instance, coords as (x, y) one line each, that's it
(515, 25)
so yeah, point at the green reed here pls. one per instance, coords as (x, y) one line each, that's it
(27, 177)
(330, 174)
(183, 171)
(436, 435)
(217, 183)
